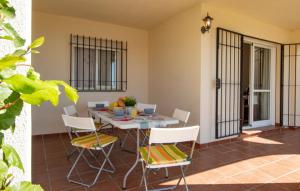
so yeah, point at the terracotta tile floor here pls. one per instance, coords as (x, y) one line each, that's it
(266, 162)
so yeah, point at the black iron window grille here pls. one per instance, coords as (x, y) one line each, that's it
(98, 64)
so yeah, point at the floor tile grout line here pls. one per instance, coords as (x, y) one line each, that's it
(46, 162)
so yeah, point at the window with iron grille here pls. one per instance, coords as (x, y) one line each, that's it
(98, 64)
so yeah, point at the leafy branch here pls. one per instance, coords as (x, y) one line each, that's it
(17, 89)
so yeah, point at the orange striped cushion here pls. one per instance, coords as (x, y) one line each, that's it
(90, 141)
(163, 154)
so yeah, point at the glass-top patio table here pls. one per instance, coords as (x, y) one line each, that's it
(141, 122)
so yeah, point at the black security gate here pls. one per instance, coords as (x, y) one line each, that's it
(228, 83)
(290, 85)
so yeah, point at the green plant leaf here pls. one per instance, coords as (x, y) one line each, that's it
(71, 93)
(35, 51)
(34, 91)
(22, 84)
(1, 138)
(10, 61)
(6, 37)
(130, 101)
(37, 43)
(19, 52)
(4, 92)
(33, 75)
(8, 12)
(11, 157)
(4, 3)
(7, 119)
(25, 186)
(7, 73)
(38, 97)
(18, 41)
(3, 168)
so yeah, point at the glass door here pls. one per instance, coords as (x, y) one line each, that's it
(260, 113)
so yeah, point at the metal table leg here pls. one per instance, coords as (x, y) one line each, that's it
(137, 159)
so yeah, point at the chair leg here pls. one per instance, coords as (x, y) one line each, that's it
(182, 177)
(144, 176)
(106, 155)
(74, 164)
(95, 158)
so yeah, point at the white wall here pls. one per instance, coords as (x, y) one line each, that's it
(54, 62)
(174, 75)
(21, 139)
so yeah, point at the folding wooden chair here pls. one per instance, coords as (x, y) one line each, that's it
(95, 141)
(165, 154)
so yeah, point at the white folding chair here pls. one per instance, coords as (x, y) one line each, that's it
(182, 116)
(92, 104)
(140, 107)
(96, 141)
(165, 154)
(98, 122)
(70, 110)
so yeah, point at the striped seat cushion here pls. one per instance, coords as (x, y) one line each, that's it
(163, 154)
(90, 141)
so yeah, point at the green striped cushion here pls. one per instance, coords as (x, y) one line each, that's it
(90, 141)
(163, 154)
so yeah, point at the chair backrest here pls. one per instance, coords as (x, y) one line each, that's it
(142, 106)
(92, 104)
(173, 135)
(84, 123)
(70, 110)
(181, 115)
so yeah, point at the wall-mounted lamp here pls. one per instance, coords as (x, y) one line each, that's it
(207, 23)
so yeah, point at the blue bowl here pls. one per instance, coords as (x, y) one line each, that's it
(119, 112)
(149, 111)
(99, 105)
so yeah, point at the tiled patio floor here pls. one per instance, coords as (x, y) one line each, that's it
(267, 162)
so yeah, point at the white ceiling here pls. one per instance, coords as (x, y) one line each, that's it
(135, 13)
(147, 13)
(282, 13)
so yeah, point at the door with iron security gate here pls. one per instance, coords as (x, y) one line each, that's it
(228, 83)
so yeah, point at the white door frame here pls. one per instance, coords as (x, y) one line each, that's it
(272, 48)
